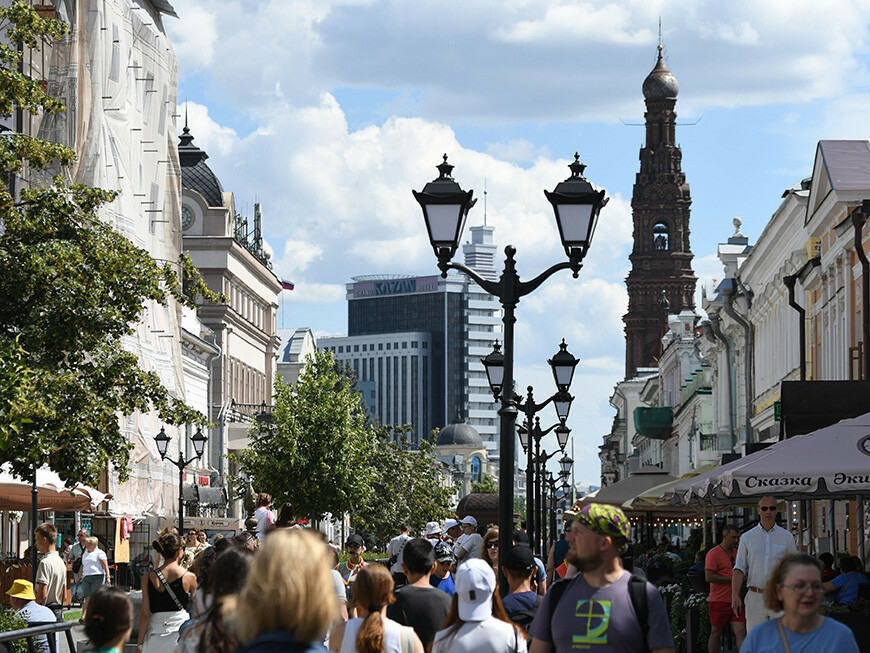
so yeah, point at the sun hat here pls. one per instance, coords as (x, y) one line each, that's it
(475, 583)
(432, 528)
(607, 521)
(468, 520)
(450, 523)
(22, 589)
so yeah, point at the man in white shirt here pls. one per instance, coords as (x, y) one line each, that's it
(469, 544)
(760, 550)
(394, 551)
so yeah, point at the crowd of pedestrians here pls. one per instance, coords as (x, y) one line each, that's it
(439, 593)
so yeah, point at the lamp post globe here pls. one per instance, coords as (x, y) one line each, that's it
(563, 406)
(562, 433)
(162, 441)
(563, 364)
(198, 440)
(576, 204)
(494, 365)
(445, 206)
(566, 463)
(523, 434)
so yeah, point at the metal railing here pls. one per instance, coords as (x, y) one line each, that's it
(34, 630)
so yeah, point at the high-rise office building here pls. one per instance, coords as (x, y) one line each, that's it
(415, 344)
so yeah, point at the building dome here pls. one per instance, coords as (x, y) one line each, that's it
(195, 174)
(660, 84)
(459, 433)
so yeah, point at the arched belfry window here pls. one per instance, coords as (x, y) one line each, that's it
(476, 470)
(661, 237)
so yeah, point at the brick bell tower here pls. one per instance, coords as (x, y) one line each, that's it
(661, 280)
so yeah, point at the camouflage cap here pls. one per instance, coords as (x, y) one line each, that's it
(608, 521)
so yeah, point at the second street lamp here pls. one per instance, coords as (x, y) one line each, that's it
(445, 205)
(198, 440)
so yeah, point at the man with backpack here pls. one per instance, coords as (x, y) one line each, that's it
(521, 602)
(604, 608)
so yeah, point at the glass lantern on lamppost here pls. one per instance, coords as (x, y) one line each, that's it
(198, 441)
(445, 207)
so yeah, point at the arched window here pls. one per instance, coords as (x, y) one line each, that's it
(476, 470)
(661, 237)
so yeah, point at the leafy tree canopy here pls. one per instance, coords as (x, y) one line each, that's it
(407, 487)
(323, 455)
(316, 451)
(486, 484)
(72, 289)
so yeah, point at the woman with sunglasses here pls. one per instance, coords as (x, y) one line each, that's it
(489, 550)
(795, 587)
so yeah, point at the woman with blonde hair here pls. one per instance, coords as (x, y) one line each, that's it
(287, 602)
(796, 588)
(373, 632)
(489, 549)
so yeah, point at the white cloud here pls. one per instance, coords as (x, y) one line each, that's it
(194, 37)
(555, 59)
(307, 292)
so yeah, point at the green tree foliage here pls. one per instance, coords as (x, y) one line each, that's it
(323, 455)
(407, 487)
(316, 453)
(486, 484)
(72, 289)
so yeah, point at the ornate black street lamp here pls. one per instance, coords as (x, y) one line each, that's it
(198, 440)
(445, 205)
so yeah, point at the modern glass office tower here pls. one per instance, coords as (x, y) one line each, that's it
(415, 344)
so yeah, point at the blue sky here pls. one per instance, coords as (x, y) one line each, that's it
(330, 111)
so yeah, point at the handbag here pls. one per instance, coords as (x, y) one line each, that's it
(77, 563)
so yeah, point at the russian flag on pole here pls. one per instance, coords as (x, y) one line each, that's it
(287, 285)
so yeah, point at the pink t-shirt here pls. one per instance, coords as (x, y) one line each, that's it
(719, 562)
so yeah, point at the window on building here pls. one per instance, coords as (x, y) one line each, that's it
(414, 344)
(388, 346)
(355, 349)
(341, 350)
(425, 345)
(405, 345)
(661, 237)
(476, 470)
(380, 346)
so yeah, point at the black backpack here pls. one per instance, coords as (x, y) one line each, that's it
(636, 592)
(524, 618)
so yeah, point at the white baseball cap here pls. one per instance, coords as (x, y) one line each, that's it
(450, 523)
(432, 528)
(471, 521)
(475, 584)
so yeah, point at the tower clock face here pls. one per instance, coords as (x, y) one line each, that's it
(186, 217)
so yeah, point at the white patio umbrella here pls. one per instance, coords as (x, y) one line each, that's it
(829, 463)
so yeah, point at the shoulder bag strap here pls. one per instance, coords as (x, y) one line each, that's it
(168, 589)
(637, 593)
(842, 592)
(782, 636)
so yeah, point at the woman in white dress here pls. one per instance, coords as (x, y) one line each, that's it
(477, 622)
(373, 632)
(165, 598)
